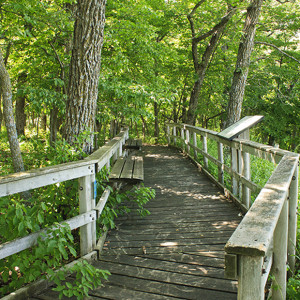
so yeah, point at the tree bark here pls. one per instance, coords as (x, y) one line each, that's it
(1, 114)
(20, 106)
(53, 125)
(6, 91)
(240, 75)
(156, 124)
(84, 71)
(200, 68)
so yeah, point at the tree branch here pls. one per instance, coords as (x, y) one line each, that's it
(194, 44)
(216, 27)
(282, 52)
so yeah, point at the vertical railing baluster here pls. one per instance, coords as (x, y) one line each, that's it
(279, 268)
(249, 278)
(204, 147)
(292, 226)
(87, 203)
(195, 145)
(182, 139)
(187, 140)
(245, 171)
(234, 168)
(174, 133)
(221, 160)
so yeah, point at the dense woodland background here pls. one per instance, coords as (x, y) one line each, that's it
(161, 61)
(147, 70)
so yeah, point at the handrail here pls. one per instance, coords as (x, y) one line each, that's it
(84, 171)
(266, 237)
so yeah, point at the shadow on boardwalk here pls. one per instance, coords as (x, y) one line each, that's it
(177, 252)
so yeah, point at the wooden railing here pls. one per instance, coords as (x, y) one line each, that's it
(85, 172)
(265, 240)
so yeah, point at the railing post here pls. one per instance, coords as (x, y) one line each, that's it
(280, 255)
(292, 234)
(205, 159)
(221, 160)
(250, 285)
(174, 133)
(187, 140)
(244, 167)
(87, 203)
(182, 138)
(234, 168)
(168, 134)
(195, 145)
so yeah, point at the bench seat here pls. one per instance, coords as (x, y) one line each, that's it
(128, 169)
(133, 144)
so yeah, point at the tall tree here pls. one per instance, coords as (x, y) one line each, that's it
(6, 92)
(201, 67)
(84, 71)
(237, 90)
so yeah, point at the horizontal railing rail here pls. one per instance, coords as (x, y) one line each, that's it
(266, 237)
(85, 171)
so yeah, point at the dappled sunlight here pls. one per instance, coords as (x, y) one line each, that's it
(169, 244)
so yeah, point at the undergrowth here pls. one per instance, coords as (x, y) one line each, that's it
(47, 207)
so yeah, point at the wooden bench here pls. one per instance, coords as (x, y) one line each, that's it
(133, 144)
(128, 169)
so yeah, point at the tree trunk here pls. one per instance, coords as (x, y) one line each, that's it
(44, 122)
(84, 71)
(1, 114)
(53, 125)
(156, 125)
(5, 85)
(237, 90)
(20, 115)
(200, 69)
(20, 105)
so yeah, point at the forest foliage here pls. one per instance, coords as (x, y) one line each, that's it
(146, 79)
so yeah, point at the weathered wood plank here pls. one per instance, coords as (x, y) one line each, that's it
(170, 289)
(102, 201)
(255, 233)
(30, 240)
(182, 268)
(117, 169)
(138, 172)
(116, 292)
(240, 126)
(128, 168)
(167, 243)
(165, 276)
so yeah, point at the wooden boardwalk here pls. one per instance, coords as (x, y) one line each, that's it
(177, 252)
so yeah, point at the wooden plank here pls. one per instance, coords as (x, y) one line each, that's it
(24, 181)
(133, 144)
(206, 250)
(169, 289)
(215, 262)
(240, 126)
(138, 172)
(112, 291)
(30, 240)
(165, 276)
(170, 236)
(255, 233)
(169, 243)
(117, 168)
(128, 168)
(102, 201)
(195, 268)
